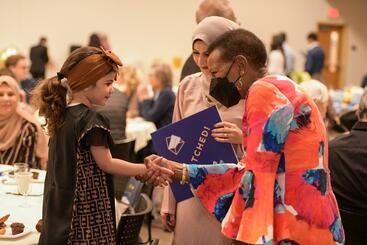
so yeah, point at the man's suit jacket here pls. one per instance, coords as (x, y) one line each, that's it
(39, 58)
(315, 60)
(348, 168)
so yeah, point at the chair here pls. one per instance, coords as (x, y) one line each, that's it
(124, 150)
(148, 190)
(354, 227)
(129, 226)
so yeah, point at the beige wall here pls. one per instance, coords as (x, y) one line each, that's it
(143, 30)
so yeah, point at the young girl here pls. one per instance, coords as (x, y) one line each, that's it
(78, 206)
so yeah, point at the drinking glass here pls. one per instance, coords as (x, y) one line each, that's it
(23, 178)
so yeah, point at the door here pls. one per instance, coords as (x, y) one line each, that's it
(330, 39)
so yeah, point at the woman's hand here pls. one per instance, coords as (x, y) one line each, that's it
(227, 132)
(157, 173)
(173, 169)
(142, 92)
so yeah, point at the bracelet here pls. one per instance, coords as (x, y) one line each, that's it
(184, 178)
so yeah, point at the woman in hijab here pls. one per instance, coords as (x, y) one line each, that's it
(193, 96)
(22, 138)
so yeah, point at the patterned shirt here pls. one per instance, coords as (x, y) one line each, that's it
(281, 193)
(24, 149)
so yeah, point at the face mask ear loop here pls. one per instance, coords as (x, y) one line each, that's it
(239, 79)
(230, 67)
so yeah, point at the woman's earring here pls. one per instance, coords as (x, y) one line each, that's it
(240, 81)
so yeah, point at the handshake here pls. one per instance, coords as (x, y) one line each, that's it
(161, 171)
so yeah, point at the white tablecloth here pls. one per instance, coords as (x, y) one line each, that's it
(29, 216)
(140, 130)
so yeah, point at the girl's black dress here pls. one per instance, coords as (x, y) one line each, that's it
(78, 205)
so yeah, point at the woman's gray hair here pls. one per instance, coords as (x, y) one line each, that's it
(163, 72)
(316, 90)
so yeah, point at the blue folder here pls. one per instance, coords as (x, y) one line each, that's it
(189, 141)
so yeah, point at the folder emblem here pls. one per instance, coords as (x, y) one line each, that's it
(174, 144)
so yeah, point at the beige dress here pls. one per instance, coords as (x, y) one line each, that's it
(194, 224)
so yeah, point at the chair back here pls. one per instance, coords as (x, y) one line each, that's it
(129, 226)
(124, 150)
(354, 227)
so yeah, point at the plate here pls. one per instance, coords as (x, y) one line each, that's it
(5, 169)
(8, 234)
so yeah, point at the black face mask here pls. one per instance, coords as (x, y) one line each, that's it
(225, 91)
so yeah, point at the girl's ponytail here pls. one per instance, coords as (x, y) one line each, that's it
(49, 97)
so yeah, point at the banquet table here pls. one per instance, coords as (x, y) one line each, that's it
(12, 203)
(140, 130)
(26, 210)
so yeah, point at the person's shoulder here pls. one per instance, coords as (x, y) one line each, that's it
(167, 89)
(89, 118)
(273, 87)
(167, 92)
(340, 141)
(95, 118)
(266, 82)
(259, 90)
(28, 126)
(190, 80)
(36, 47)
(317, 50)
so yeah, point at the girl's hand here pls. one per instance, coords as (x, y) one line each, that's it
(157, 171)
(227, 132)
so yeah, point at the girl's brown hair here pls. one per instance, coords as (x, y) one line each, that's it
(49, 96)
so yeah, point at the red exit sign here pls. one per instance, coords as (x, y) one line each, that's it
(333, 13)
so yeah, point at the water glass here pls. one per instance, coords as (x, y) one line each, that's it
(23, 178)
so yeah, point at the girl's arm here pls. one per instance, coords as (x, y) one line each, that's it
(104, 160)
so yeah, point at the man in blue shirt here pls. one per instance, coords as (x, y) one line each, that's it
(315, 57)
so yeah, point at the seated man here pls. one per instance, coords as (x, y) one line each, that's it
(348, 169)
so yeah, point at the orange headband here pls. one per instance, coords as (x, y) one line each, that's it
(89, 70)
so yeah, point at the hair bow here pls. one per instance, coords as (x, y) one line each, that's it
(111, 56)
